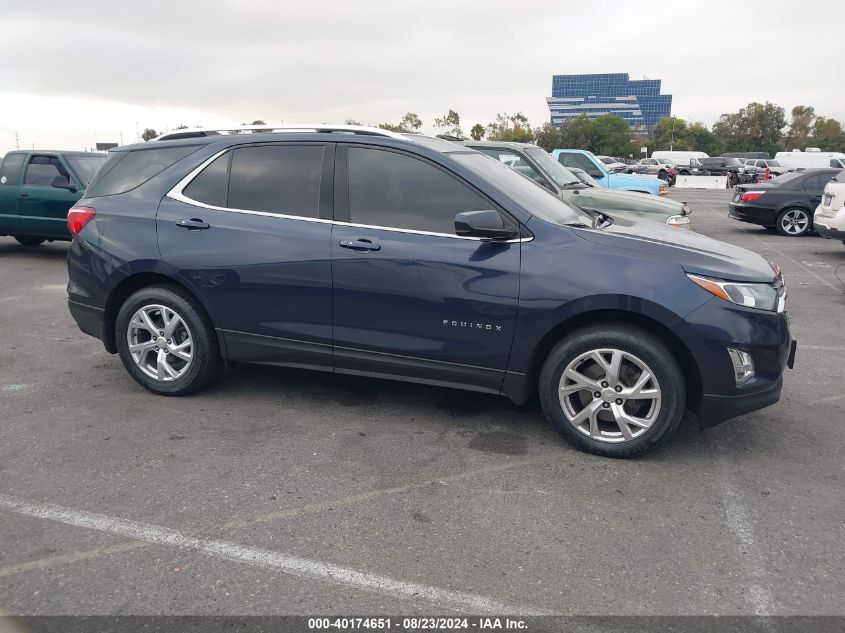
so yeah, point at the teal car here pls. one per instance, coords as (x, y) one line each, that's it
(37, 188)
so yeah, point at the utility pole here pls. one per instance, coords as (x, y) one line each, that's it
(17, 140)
(672, 140)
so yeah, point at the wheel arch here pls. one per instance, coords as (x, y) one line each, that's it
(131, 284)
(677, 347)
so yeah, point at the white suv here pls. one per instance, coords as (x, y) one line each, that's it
(829, 218)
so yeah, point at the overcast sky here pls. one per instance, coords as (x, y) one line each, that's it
(74, 73)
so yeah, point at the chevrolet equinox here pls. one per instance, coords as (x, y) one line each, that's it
(361, 251)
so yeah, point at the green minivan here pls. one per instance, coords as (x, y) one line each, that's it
(37, 188)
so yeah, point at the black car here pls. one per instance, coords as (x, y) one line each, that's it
(722, 166)
(785, 203)
(361, 251)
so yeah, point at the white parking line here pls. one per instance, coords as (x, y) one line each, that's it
(268, 559)
(759, 596)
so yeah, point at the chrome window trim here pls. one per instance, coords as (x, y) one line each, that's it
(176, 193)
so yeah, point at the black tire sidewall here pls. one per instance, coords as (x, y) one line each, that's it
(206, 352)
(638, 342)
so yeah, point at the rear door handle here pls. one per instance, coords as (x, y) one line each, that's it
(193, 224)
(362, 245)
(24, 195)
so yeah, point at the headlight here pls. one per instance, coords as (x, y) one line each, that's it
(771, 297)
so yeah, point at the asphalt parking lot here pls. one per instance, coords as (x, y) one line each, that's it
(290, 492)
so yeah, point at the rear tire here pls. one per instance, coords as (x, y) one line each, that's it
(623, 420)
(794, 222)
(27, 240)
(174, 349)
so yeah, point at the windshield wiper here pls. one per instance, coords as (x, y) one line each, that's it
(576, 185)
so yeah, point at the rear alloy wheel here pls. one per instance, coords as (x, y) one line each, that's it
(166, 341)
(613, 390)
(27, 240)
(794, 222)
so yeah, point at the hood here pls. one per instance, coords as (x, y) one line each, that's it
(604, 199)
(695, 253)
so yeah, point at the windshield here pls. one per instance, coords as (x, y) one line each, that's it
(535, 199)
(773, 163)
(607, 160)
(664, 161)
(733, 161)
(553, 169)
(86, 167)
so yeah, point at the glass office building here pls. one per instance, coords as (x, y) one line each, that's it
(639, 102)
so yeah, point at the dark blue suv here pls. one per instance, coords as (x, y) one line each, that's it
(361, 251)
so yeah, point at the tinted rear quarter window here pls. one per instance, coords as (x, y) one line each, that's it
(210, 185)
(135, 168)
(277, 179)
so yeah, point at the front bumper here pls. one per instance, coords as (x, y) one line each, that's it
(714, 327)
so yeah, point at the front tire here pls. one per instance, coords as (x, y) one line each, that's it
(29, 240)
(166, 341)
(794, 222)
(612, 390)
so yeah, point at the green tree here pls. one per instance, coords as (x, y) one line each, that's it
(669, 133)
(611, 136)
(827, 135)
(408, 123)
(149, 134)
(700, 139)
(547, 136)
(800, 127)
(754, 128)
(351, 121)
(450, 123)
(513, 128)
(477, 132)
(576, 133)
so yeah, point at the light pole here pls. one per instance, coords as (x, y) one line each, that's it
(672, 139)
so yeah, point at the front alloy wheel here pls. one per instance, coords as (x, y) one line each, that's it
(612, 389)
(609, 395)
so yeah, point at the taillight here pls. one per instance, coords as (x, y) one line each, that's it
(748, 196)
(662, 190)
(78, 217)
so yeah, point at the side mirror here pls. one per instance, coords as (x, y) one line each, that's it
(62, 182)
(487, 224)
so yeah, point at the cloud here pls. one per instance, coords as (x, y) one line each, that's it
(374, 60)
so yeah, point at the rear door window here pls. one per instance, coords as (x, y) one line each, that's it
(282, 179)
(135, 168)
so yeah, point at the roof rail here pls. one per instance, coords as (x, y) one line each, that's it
(271, 129)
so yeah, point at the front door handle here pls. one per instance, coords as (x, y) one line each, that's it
(24, 195)
(193, 224)
(362, 245)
